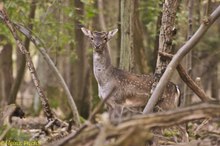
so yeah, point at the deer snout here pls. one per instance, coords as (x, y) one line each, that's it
(98, 47)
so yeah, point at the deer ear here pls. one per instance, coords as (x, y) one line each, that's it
(112, 33)
(86, 32)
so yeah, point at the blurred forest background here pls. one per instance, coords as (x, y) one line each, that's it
(57, 23)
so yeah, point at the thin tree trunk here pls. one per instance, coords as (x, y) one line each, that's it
(188, 60)
(198, 12)
(215, 82)
(6, 71)
(80, 68)
(22, 61)
(139, 51)
(156, 42)
(101, 15)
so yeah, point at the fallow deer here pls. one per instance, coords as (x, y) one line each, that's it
(129, 90)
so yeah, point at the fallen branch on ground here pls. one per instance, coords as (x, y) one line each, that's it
(126, 132)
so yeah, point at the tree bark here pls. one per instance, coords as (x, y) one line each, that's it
(107, 21)
(215, 82)
(139, 51)
(157, 37)
(188, 61)
(6, 71)
(80, 82)
(127, 35)
(166, 36)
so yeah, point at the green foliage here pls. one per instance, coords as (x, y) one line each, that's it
(90, 11)
(53, 23)
(149, 11)
(54, 94)
(16, 9)
(171, 132)
(15, 134)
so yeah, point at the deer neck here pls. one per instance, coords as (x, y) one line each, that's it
(102, 66)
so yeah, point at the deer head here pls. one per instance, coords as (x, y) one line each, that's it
(99, 39)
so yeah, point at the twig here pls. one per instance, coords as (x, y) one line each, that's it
(188, 80)
(201, 125)
(176, 60)
(30, 65)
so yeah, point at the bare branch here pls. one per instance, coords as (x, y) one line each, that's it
(188, 80)
(39, 45)
(30, 65)
(177, 58)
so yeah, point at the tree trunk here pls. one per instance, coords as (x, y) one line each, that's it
(166, 36)
(188, 59)
(107, 21)
(127, 35)
(6, 71)
(21, 58)
(139, 51)
(215, 82)
(156, 42)
(80, 67)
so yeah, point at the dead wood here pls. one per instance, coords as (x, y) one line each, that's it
(39, 44)
(30, 65)
(188, 80)
(177, 58)
(135, 131)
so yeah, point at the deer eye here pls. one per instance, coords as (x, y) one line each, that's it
(92, 39)
(105, 39)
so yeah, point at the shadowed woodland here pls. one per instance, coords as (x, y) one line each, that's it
(162, 86)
